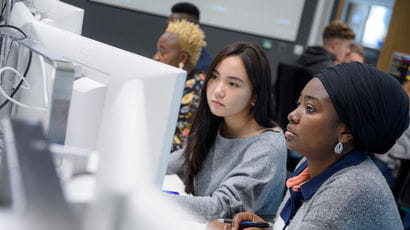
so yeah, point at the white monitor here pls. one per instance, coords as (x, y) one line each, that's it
(60, 14)
(87, 104)
(52, 12)
(40, 78)
(135, 98)
(20, 15)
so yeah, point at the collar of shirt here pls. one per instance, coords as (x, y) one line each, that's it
(311, 186)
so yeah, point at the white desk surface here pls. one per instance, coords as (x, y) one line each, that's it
(173, 183)
(82, 190)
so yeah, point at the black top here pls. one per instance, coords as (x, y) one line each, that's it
(316, 58)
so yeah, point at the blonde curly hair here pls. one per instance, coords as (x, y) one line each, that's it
(191, 38)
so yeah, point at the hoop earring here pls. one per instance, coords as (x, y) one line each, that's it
(339, 148)
(181, 65)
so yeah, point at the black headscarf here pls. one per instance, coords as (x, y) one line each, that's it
(370, 102)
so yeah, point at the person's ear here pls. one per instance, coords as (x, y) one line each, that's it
(253, 100)
(335, 43)
(345, 135)
(253, 103)
(183, 57)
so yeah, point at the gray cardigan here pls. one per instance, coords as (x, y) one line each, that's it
(356, 197)
(244, 174)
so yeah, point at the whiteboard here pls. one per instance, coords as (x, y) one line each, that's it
(271, 18)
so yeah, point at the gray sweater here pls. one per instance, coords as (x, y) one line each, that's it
(356, 197)
(244, 174)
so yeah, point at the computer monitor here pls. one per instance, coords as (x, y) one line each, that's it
(40, 75)
(139, 111)
(57, 13)
(20, 15)
(137, 101)
(86, 108)
(44, 71)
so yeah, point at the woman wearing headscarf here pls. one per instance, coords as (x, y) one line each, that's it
(344, 112)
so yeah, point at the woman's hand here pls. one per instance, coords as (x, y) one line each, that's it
(242, 216)
(245, 216)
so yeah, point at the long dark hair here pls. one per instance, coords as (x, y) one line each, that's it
(205, 125)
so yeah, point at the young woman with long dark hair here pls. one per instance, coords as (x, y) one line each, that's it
(235, 156)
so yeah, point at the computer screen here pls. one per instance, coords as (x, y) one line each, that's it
(40, 70)
(140, 104)
(57, 13)
(136, 99)
(44, 75)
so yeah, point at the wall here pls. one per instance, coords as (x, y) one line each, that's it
(138, 32)
(398, 36)
(279, 18)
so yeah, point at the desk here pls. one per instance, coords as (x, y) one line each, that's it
(173, 183)
(141, 206)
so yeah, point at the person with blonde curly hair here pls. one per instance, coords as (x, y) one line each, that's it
(180, 46)
(190, 12)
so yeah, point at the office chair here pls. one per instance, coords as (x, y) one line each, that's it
(291, 80)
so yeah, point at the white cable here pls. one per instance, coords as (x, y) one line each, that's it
(2, 59)
(26, 87)
(45, 88)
